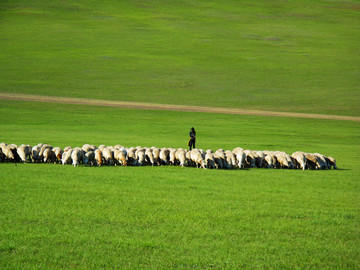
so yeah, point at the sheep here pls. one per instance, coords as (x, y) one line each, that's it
(66, 156)
(197, 158)
(41, 153)
(210, 161)
(88, 147)
(108, 155)
(291, 161)
(140, 156)
(240, 156)
(164, 156)
(98, 157)
(312, 161)
(271, 160)
(172, 158)
(48, 155)
(250, 159)
(24, 152)
(180, 156)
(282, 160)
(149, 157)
(331, 162)
(35, 153)
(11, 154)
(156, 154)
(322, 161)
(58, 153)
(259, 158)
(220, 158)
(300, 160)
(230, 158)
(219, 161)
(120, 157)
(76, 156)
(131, 156)
(268, 161)
(89, 158)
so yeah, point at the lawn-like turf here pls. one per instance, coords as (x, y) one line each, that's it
(54, 216)
(276, 55)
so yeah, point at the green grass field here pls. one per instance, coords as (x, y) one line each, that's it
(55, 216)
(298, 56)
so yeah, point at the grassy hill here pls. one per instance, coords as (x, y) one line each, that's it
(298, 56)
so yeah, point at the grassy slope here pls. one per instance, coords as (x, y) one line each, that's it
(276, 55)
(54, 216)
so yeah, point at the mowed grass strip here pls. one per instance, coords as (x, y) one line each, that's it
(295, 56)
(55, 216)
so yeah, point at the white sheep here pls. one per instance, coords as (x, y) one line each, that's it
(322, 161)
(49, 155)
(140, 156)
(164, 156)
(58, 153)
(149, 156)
(66, 156)
(300, 160)
(89, 158)
(180, 156)
(312, 161)
(156, 154)
(250, 158)
(331, 162)
(43, 147)
(210, 160)
(120, 156)
(230, 158)
(24, 152)
(98, 157)
(172, 158)
(88, 147)
(76, 156)
(197, 158)
(240, 156)
(108, 155)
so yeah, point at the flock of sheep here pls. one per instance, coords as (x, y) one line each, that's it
(90, 155)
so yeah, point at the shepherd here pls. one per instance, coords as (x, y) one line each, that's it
(192, 139)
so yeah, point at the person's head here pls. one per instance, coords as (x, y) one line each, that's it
(192, 129)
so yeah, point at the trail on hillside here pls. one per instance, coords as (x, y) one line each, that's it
(168, 107)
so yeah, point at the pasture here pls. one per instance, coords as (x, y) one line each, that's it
(55, 216)
(295, 56)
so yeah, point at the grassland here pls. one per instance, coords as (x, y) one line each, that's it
(298, 56)
(170, 217)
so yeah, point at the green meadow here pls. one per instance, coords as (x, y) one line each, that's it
(299, 56)
(55, 216)
(296, 56)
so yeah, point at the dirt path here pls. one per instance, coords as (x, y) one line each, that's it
(168, 107)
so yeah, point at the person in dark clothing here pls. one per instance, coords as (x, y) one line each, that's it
(192, 139)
